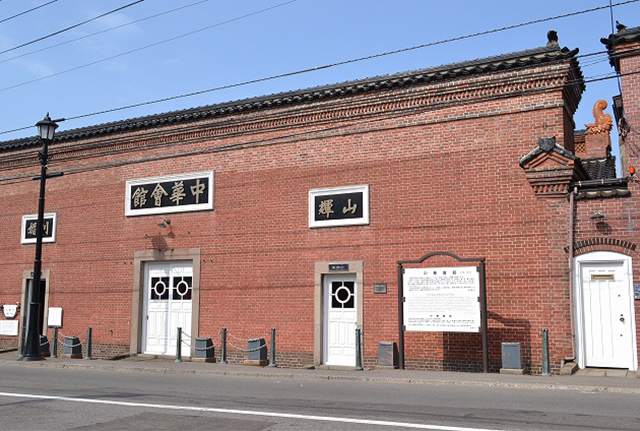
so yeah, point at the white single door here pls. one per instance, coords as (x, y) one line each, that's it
(607, 305)
(168, 290)
(340, 320)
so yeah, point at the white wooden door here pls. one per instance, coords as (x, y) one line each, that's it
(607, 316)
(168, 305)
(340, 320)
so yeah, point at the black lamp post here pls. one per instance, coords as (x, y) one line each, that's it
(46, 131)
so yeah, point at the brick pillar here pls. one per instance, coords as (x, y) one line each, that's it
(624, 50)
(597, 145)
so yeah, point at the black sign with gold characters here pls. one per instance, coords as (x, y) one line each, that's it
(176, 193)
(29, 230)
(339, 206)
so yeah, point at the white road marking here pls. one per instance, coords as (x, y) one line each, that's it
(243, 412)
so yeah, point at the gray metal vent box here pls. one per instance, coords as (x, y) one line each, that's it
(257, 349)
(511, 356)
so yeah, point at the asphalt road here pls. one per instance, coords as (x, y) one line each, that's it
(57, 399)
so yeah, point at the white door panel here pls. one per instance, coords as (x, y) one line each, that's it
(340, 320)
(606, 315)
(168, 305)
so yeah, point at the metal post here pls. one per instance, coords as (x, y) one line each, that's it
(546, 371)
(358, 351)
(400, 317)
(32, 349)
(224, 346)
(54, 353)
(484, 319)
(272, 360)
(89, 330)
(179, 345)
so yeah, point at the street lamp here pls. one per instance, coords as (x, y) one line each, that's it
(46, 131)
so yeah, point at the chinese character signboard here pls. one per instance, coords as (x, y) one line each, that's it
(339, 206)
(442, 299)
(29, 229)
(169, 194)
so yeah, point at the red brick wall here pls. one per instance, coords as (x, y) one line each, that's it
(440, 179)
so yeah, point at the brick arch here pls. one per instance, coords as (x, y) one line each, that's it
(602, 244)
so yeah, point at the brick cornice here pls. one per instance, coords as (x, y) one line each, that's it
(430, 96)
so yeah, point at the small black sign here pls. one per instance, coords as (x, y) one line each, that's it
(379, 287)
(339, 206)
(338, 267)
(177, 193)
(29, 229)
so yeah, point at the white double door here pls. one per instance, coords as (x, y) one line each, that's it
(167, 306)
(340, 319)
(607, 316)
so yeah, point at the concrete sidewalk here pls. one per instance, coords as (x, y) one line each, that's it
(585, 380)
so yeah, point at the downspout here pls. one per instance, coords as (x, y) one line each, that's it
(572, 210)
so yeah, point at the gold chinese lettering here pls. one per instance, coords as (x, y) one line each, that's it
(177, 192)
(139, 197)
(326, 208)
(157, 194)
(197, 190)
(350, 208)
(33, 228)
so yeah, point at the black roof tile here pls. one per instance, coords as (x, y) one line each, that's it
(601, 168)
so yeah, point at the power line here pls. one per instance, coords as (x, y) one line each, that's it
(104, 31)
(70, 27)
(400, 113)
(482, 33)
(26, 11)
(181, 96)
(273, 77)
(613, 39)
(147, 46)
(210, 90)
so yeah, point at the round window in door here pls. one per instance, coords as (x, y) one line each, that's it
(342, 294)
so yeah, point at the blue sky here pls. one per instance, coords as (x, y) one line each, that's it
(297, 35)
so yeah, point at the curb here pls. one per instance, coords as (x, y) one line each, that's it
(328, 377)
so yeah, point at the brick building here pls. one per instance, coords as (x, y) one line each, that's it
(293, 210)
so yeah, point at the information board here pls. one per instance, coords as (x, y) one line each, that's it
(442, 299)
(9, 327)
(54, 317)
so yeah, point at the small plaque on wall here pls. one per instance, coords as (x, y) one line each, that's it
(54, 318)
(9, 327)
(338, 267)
(379, 287)
(29, 229)
(170, 194)
(339, 206)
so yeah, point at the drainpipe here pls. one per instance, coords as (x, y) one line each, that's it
(572, 211)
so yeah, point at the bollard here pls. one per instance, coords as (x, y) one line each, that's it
(545, 353)
(54, 353)
(89, 329)
(272, 360)
(224, 346)
(179, 345)
(358, 351)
